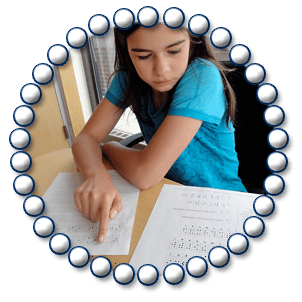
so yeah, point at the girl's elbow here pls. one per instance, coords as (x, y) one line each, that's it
(145, 179)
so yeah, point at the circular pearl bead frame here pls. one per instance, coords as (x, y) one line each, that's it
(43, 74)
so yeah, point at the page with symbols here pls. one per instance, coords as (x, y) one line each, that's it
(189, 221)
(61, 208)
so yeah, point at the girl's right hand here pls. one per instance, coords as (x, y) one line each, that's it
(98, 200)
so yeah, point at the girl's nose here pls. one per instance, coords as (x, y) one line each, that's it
(161, 66)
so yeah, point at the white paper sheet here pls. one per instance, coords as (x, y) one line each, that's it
(61, 208)
(189, 221)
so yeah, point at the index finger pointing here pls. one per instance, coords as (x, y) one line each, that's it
(104, 221)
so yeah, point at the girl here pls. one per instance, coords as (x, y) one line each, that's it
(185, 108)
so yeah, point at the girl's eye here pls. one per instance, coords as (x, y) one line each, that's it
(143, 57)
(172, 52)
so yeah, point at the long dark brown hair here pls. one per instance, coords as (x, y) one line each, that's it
(137, 88)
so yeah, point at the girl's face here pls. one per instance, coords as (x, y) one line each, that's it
(160, 55)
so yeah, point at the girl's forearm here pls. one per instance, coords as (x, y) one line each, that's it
(88, 156)
(127, 162)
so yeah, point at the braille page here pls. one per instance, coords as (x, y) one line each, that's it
(61, 208)
(189, 221)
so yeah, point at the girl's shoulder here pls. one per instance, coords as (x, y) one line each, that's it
(203, 66)
(118, 81)
(201, 71)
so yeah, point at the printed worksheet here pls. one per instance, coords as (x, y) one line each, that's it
(61, 208)
(190, 221)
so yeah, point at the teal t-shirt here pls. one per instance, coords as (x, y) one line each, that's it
(210, 159)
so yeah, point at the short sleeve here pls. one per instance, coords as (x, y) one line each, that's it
(199, 93)
(117, 89)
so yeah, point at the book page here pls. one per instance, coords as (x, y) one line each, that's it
(190, 221)
(61, 208)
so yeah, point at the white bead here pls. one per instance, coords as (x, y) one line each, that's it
(218, 256)
(59, 243)
(98, 24)
(276, 161)
(30, 93)
(237, 243)
(78, 256)
(76, 37)
(101, 266)
(19, 138)
(274, 184)
(43, 226)
(42, 73)
(196, 266)
(240, 54)
(21, 161)
(57, 54)
(147, 16)
(33, 205)
(220, 37)
(147, 274)
(263, 205)
(174, 273)
(24, 184)
(173, 17)
(199, 24)
(253, 226)
(123, 273)
(278, 138)
(123, 18)
(255, 73)
(273, 115)
(23, 116)
(267, 93)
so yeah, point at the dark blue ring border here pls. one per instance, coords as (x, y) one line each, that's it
(230, 56)
(53, 224)
(247, 245)
(94, 32)
(157, 17)
(122, 28)
(264, 74)
(69, 244)
(21, 171)
(210, 257)
(109, 269)
(31, 189)
(246, 231)
(84, 33)
(122, 282)
(199, 35)
(183, 274)
(261, 214)
(273, 131)
(43, 203)
(82, 247)
(204, 271)
(66, 60)
(183, 17)
(276, 193)
(32, 84)
(138, 278)
(26, 125)
(231, 38)
(40, 83)
(267, 84)
(29, 140)
(278, 171)
(275, 106)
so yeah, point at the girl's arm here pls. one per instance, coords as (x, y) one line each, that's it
(102, 121)
(96, 198)
(145, 168)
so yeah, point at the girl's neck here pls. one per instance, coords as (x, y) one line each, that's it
(159, 98)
